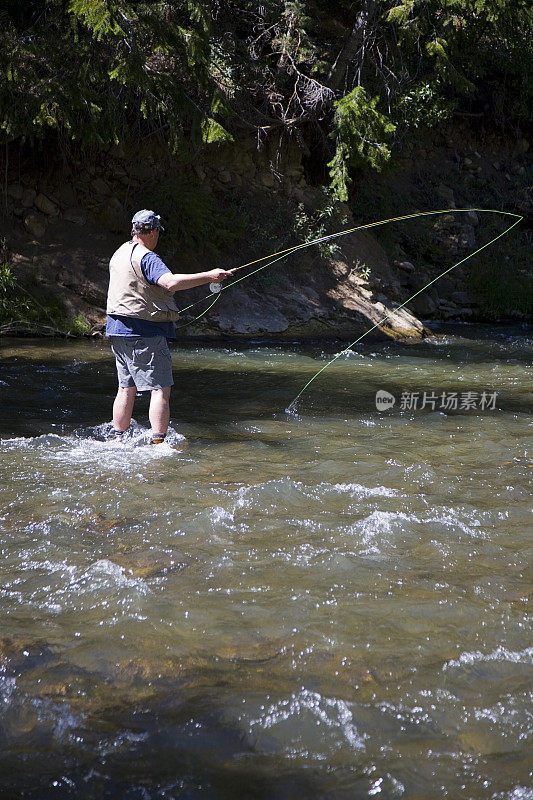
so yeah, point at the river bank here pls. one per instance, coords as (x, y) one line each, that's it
(61, 223)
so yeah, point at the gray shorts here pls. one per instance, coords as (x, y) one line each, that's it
(142, 361)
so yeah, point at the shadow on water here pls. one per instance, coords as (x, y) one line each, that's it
(163, 728)
(144, 733)
(72, 393)
(212, 399)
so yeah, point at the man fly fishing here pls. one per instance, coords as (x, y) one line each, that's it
(140, 320)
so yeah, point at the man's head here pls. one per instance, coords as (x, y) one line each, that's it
(146, 226)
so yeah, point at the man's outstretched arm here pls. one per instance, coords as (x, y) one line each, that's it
(176, 282)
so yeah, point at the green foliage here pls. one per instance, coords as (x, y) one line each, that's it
(7, 280)
(79, 326)
(97, 72)
(14, 305)
(401, 14)
(361, 132)
(17, 305)
(424, 106)
(98, 17)
(324, 217)
(464, 48)
(213, 133)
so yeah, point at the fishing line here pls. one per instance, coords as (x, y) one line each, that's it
(288, 251)
(326, 238)
(291, 409)
(223, 289)
(292, 249)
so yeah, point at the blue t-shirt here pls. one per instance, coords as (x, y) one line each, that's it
(152, 268)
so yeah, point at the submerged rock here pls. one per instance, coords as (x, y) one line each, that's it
(19, 653)
(148, 563)
(250, 650)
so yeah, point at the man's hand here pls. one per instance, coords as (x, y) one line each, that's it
(174, 282)
(218, 275)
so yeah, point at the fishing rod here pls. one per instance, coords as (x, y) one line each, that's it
(291, 408)
(217, 288)
(289, 250)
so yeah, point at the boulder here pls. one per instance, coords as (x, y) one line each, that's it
(75, 215)
(423, 305)
(445, 285)
(447, 304)
(44, 204)
(65, 193)
(449, 313)
(200, 172)
(35, 224)
(463, 299)
(268, 180)
(446, 194)
(404, 324)
(300, 195)
(112, 218)
(468, 237)
(406, 266)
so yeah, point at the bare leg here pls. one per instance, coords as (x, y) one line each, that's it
(159, 412)
(123, 407)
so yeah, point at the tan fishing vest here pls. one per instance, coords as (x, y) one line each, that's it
(130, 294)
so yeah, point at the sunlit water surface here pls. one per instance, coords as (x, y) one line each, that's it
(328, 604)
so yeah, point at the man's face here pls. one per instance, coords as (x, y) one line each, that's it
(152, 238)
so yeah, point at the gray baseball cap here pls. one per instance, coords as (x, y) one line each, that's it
(147, 220)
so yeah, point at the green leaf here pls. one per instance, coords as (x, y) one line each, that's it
(213, 133)
(400, 14)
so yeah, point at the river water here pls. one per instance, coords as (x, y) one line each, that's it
(330, 603)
